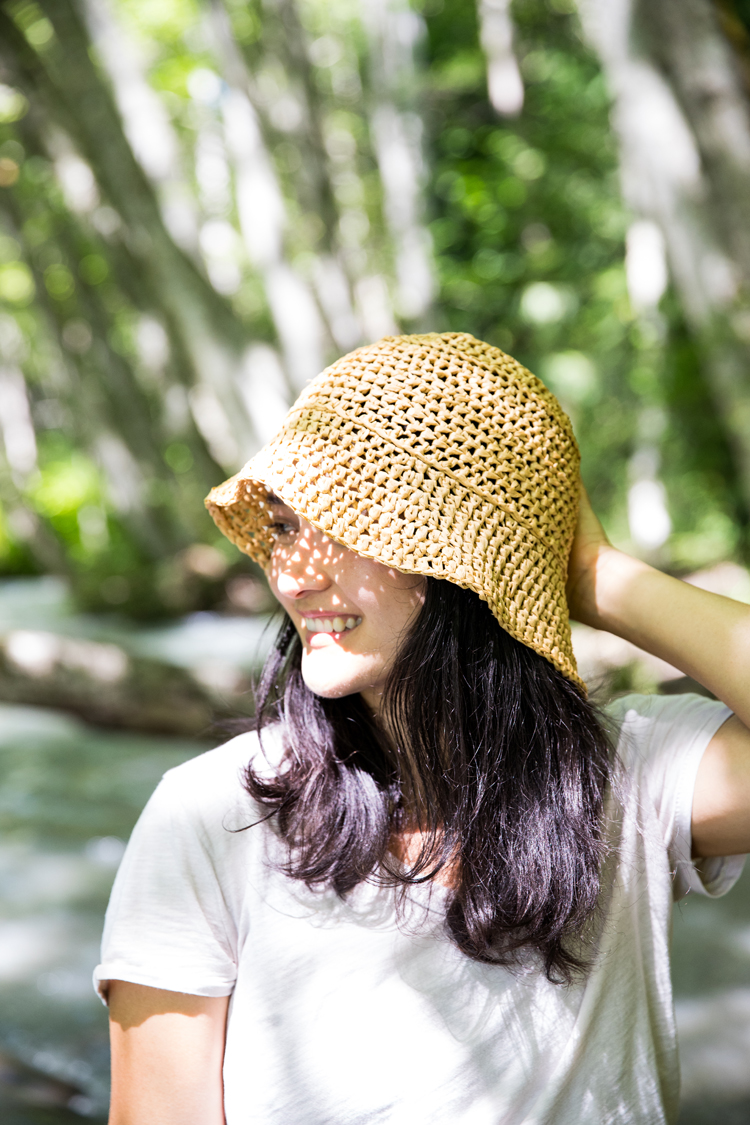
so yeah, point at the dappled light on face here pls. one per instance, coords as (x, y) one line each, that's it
(350, 612)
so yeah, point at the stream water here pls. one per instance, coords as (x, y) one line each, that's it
(69, 796)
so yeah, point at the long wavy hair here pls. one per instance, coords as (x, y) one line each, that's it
(484, 748)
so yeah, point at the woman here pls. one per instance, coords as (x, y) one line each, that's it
(433, 885)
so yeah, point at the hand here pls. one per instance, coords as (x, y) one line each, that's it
(590, 544)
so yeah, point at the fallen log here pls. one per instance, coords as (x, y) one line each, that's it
(106, 685)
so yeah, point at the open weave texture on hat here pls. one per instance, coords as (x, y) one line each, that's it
(438, 455)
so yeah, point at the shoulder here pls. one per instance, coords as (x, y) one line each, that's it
(212, 784)
(639, 720)
(655, 734)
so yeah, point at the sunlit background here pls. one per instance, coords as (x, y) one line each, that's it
(204, 201)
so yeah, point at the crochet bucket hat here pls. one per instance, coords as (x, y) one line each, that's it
(437, 455)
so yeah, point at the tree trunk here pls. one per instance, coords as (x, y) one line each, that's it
(108, 686)
(682, 118)
(212, 339)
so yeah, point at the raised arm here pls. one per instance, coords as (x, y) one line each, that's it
(167, 1052)
(706, 636)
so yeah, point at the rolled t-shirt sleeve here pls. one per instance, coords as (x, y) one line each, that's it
(662, 741)
(168, 924)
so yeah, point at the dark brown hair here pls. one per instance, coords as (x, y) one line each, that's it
(490, 752)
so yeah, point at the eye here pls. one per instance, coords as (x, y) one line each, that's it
(283, 529)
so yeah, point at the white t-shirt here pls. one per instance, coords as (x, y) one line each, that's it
(342, 1016)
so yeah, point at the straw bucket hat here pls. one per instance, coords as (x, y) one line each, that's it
(437, 455)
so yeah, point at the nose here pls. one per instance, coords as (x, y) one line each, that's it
(300, 569)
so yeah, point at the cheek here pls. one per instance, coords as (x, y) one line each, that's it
(407, 596)
(390, 613)
(383, 585)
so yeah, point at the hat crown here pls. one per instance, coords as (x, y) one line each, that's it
(468, 410)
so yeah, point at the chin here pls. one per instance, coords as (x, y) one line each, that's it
(331, 687)
(331, 682)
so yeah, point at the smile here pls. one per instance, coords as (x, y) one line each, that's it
(330, 624)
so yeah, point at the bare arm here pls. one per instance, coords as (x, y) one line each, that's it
(167, 1053)
(706, 636)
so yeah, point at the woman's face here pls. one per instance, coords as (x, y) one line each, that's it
(350, 612)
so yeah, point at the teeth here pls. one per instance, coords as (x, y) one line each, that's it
(330, 625)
